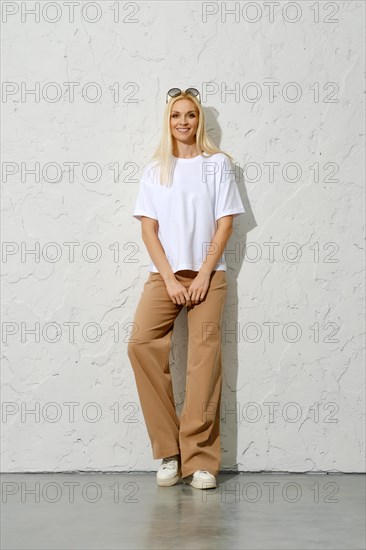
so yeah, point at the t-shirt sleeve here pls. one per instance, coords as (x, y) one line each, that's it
(144, 205)
(229, 200)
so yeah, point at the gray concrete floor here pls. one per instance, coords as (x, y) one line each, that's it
(246, 511)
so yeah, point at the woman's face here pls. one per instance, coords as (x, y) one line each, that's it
(184, 121)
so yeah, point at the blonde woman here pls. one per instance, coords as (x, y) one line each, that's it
(186, 202)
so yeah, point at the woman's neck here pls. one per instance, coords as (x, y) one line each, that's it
(185, 151)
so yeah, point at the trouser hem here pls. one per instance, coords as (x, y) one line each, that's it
(166, 452)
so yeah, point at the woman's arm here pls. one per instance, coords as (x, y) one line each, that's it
(149, 228)
(218, 244)
(176, 291)
(199, 286)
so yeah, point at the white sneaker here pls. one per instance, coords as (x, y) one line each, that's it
(169, 472)
(203, 480)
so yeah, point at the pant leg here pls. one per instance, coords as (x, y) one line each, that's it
(199, 434)
(148, 350)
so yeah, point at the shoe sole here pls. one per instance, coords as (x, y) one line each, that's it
(168, 482)
(203, 484)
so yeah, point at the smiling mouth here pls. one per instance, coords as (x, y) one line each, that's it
(183, 130)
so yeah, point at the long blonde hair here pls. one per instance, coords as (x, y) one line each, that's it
(163, 155)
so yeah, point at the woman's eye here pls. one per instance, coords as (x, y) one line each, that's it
(192, 115)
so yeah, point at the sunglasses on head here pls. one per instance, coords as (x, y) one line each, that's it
(174, 92)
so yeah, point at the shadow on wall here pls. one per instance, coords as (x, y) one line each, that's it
(230, 363)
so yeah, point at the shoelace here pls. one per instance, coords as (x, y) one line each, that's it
(169, 462)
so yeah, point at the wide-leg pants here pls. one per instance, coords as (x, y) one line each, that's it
(196, 434)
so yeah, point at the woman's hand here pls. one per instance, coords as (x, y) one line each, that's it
(177, 292)
(199, 286)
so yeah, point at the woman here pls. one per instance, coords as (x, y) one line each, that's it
(186, 203)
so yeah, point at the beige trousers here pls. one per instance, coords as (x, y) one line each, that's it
(196, 434)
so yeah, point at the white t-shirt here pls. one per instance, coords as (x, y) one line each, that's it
(203, 190)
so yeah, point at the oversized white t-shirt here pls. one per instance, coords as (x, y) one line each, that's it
(203, 190)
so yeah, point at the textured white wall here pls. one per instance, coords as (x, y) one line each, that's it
(299, 319)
